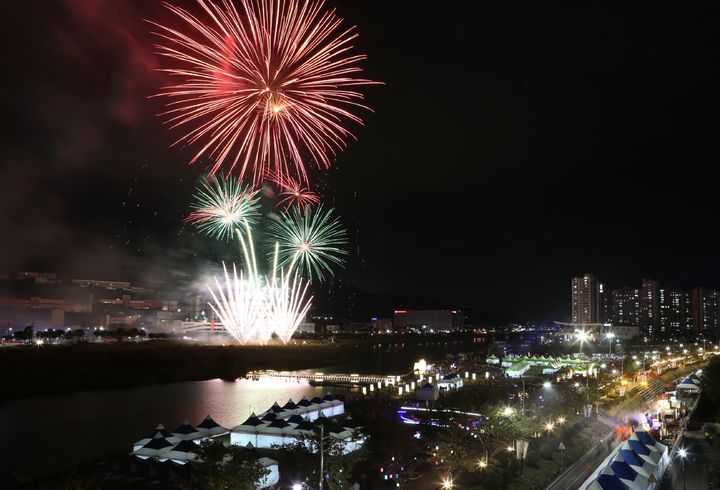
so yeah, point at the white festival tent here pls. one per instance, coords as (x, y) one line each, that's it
(160, 431)
(291, 422)
(209, 428)
(154, 448)
(181, 453)
(187, 432)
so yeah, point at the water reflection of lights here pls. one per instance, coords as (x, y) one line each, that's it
(274, 382)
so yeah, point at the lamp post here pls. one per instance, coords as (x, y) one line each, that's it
(610, 336)
(583, 337)
(682, 453)
(322, 456)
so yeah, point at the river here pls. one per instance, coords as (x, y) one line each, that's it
(43, 435)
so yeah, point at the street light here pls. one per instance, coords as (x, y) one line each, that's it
(301, 486)
(507, 411)
(583, 337)
(610, 336)
(682, 453)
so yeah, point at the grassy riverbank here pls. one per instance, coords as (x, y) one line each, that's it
(56, 369)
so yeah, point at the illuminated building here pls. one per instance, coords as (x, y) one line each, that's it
(705, 311)
(429, 320)
(626, 307)
(585, 299)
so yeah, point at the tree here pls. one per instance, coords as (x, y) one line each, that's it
(456, 449)
(305, 455)
(228, 468)
(24, 334)
(493, 431)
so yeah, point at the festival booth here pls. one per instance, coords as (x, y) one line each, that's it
(181, 453)
(186, 432)
(208, 428)
(689, 386)
(294, 422)
(631, 465)
(517, 369)
(427, 392)
(153, 448)
(160, 431)
(449, 382)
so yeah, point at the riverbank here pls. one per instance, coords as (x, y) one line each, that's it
(32, 370)
(60, 369)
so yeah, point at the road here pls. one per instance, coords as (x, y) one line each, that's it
(581, 470)
(699, 456)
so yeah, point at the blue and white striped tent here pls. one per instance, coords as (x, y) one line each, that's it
(632, 464)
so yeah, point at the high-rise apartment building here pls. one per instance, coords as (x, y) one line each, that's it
(675, 313)
(649, 307)
(585, 299)
(605, 314)
(626, 307)
(705, 312)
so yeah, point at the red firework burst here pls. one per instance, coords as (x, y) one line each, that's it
(294, 193)
(263, 87)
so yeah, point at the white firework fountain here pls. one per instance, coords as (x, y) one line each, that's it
(252, 307)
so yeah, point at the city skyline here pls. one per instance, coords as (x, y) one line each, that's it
(658, 311)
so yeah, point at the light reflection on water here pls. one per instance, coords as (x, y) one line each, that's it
(91, 425)
(43, 435)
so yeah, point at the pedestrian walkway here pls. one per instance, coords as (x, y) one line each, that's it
(654, 388)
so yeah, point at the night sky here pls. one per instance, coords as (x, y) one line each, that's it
(511, 148)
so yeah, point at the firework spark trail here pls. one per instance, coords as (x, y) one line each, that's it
(294, 193)
(264, 87)
(239, 305)
(311, 242)
(252, 308)
(287, 305)
(221, 205)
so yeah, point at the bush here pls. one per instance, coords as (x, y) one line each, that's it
(546, 451)
(533, 459)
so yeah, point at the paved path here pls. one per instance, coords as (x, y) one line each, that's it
(700, 454)
(583, 468)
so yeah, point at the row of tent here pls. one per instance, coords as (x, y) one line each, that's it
(493, 359)
(165, 451)
(177, 445)
(310, 409)
(295, 422)
(636, 465)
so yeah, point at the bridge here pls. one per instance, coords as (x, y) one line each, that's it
(323, 378)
